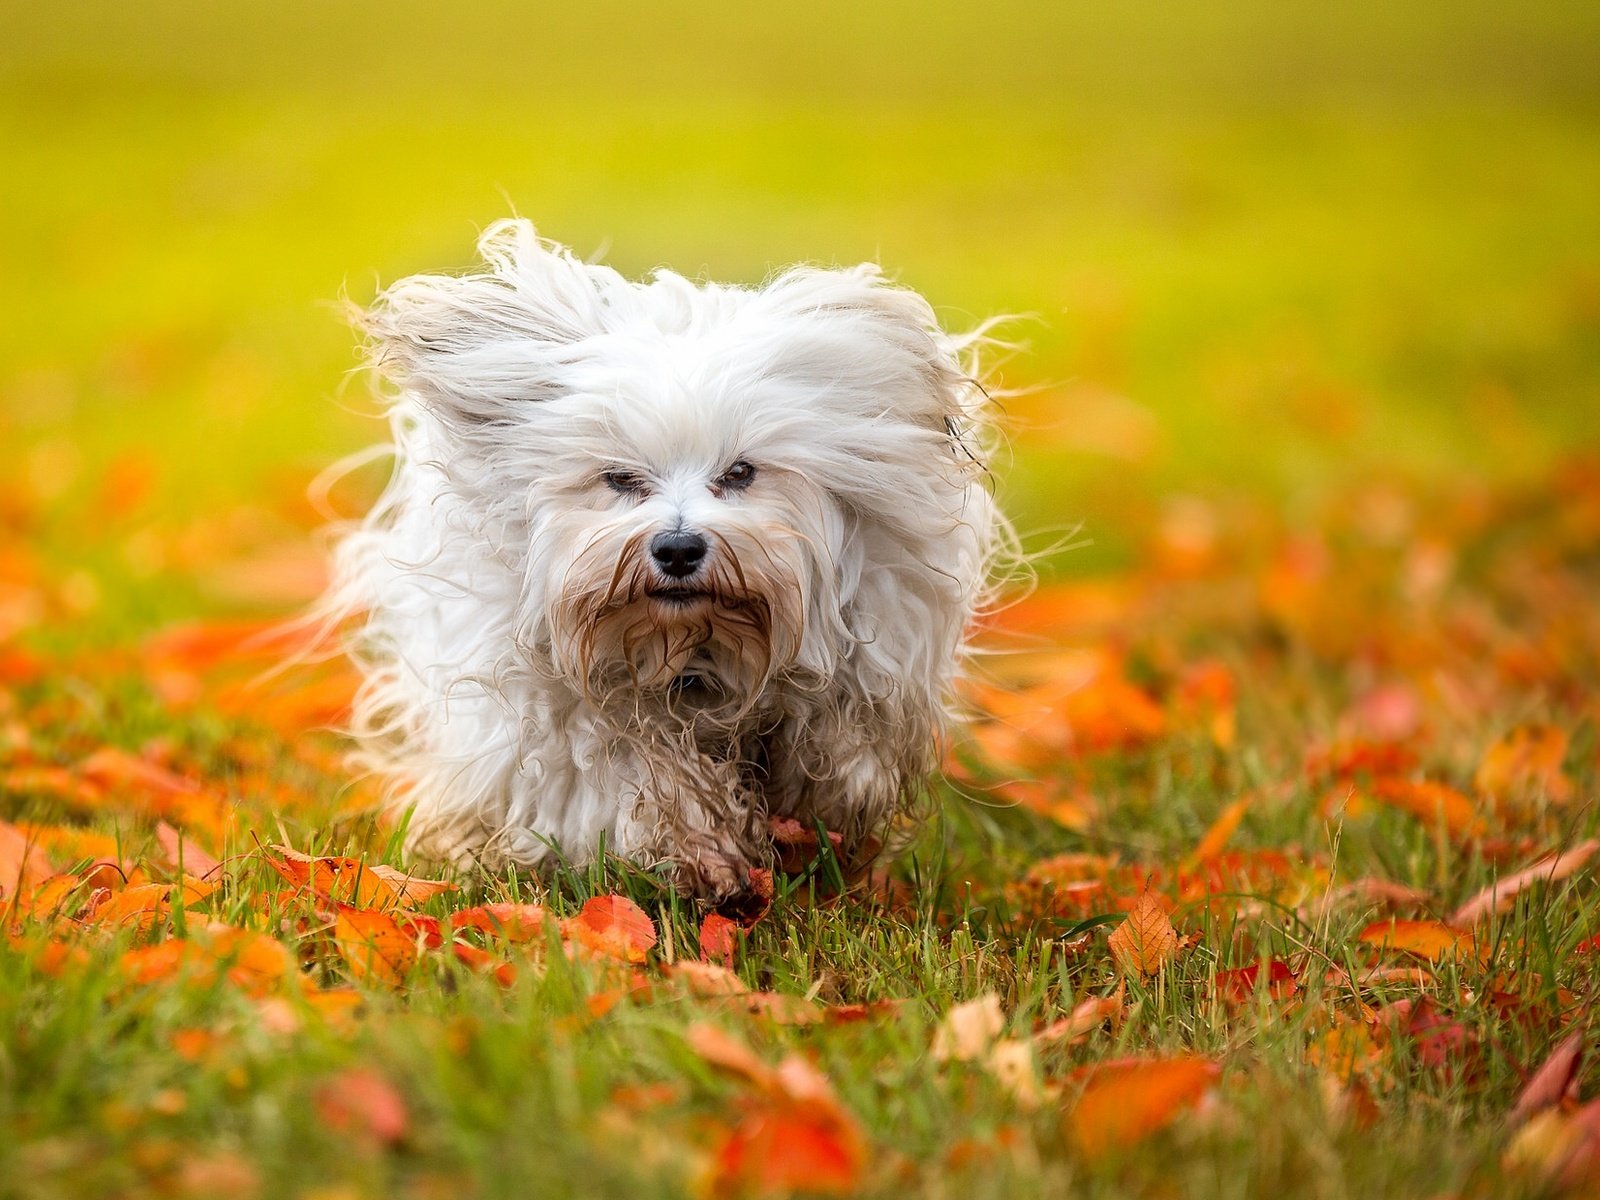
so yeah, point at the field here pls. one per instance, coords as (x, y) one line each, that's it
(1266, 864)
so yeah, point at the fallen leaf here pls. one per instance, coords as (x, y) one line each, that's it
(1216, 837)
(1501, 895)
(1085, 1017)
(1562, 1149)
(182, 852)
(22, 864)
(1146, 941)
(511, 922)
(614, 926)
(780, 1008)
(375, 945)
(968, 1030)
(363, 1103)
(718, 938)
(1526, 759)
(1239, 985)
(1431, 803)
(481, 961)
(409, 889)
(1431, 940)
(346, 880)
(1547, 1086)
(705, 979)
(1124, 1101)
(722, 1050)
(141, 906)
(777, 1150)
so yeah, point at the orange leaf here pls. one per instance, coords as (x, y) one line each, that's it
(179, 849)
(408, 889)
(1501, 895)
(1431, 940)
(780, 1149)
(1238, 986)
(1528, 758)
(141, 906)
(255, 963)
(1085, 1017)
(1430, 802)
(512, 922)
(341, 879)
(22, 864)
(484, 963)
(614, 926)
(727, 1053)
(1146, 941)
(781, 1008)
(375, 945)
(1221, 830)
(1124, 1101)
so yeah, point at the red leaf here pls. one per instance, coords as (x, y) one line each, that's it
(362, 1102)
(717, 938)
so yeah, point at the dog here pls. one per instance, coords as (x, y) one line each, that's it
(660, 563)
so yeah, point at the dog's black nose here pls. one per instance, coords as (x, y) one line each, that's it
(678, 554)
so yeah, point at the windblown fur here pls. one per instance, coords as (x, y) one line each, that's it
(536, 680)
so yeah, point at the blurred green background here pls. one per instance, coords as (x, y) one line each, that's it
(1263, 248)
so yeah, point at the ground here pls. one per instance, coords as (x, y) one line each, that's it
(1263, 866)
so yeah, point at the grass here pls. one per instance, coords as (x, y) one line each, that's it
(1313, 358)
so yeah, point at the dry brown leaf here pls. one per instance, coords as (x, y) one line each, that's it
(1501, 895)
(1146, 941)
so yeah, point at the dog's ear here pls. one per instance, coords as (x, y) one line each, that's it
(474, 348)
(878, 350)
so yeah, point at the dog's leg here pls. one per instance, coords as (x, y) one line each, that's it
(702, 814)
(849, 775)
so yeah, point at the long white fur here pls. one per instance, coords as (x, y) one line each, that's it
(524, 694)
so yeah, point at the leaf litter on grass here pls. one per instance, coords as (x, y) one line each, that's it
(1273, 839)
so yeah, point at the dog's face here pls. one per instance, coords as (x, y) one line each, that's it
(694, 483)
(680, 542)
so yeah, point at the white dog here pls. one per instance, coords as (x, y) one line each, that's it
(659, 562)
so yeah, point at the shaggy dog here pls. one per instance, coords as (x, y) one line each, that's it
(660, 562)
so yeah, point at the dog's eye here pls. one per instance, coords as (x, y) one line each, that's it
(624, 483)
(738, 476)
